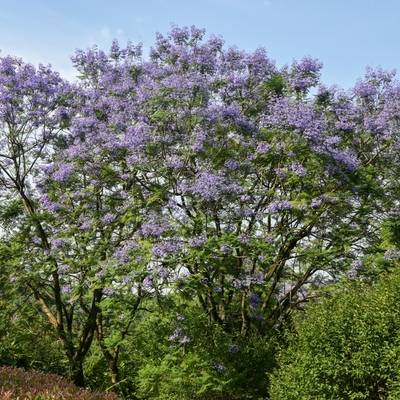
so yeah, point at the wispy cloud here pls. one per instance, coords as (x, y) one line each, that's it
(105, 35)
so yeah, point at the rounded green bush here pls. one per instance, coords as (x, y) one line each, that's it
(345, 347)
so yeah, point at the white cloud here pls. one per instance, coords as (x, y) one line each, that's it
(106, 35)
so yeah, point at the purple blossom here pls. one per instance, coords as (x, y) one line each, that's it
(245, 198)
(63, 172)
(220, 368)
(154, 228)
(305, 73)
(175, 162)
(269, 239)
(163, 273)
(148, 282)
(108, 291)
(254, 300)
(347, 158)
(166, 248)
(58, 243)
(262, 148)
(136, 159)
(85, 224)
(108, 218)
(232, 164)
(197, 241)
(391, 255)
(246, 212)
(225, 249)
(48, 204)
(122, 253)
(262, 257)
(244, 239)
(298, 169)
(211, 186)
(278, 206)
(365, 89)
(233, 348)
(176, 335)
(356, 265)
(66, 289)
(36, 240)
(200, 138)
(246, 281)
(47, 168)
(317, 202)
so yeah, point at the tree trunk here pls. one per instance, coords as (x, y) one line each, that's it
(113, 366)
(77, 374)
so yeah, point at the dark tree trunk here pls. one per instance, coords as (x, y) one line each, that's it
(77, 374)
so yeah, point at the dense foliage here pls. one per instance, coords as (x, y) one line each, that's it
(346, 347)
(162, 216)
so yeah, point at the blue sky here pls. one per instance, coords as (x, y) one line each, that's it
(345, 35)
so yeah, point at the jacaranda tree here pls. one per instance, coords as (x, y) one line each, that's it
(258, 188)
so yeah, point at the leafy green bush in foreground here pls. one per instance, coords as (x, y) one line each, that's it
(347, 347)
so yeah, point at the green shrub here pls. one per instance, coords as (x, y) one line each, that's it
(346, 347)
(211, 365)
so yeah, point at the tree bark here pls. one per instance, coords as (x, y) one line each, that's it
(78, 377)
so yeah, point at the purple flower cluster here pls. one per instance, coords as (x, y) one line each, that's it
(298, 169)
(219, 367)
(179, 336)
(278, 206)
(232, 164)
(305, 74)
(254, 300)
(108, 218)
(58, 243)
(197, 241)
(154, 228)
(391, 255)
(63, 172)
(166, 248)
(48, 204)
(233, 348)
(211, 186)
(356, 265)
